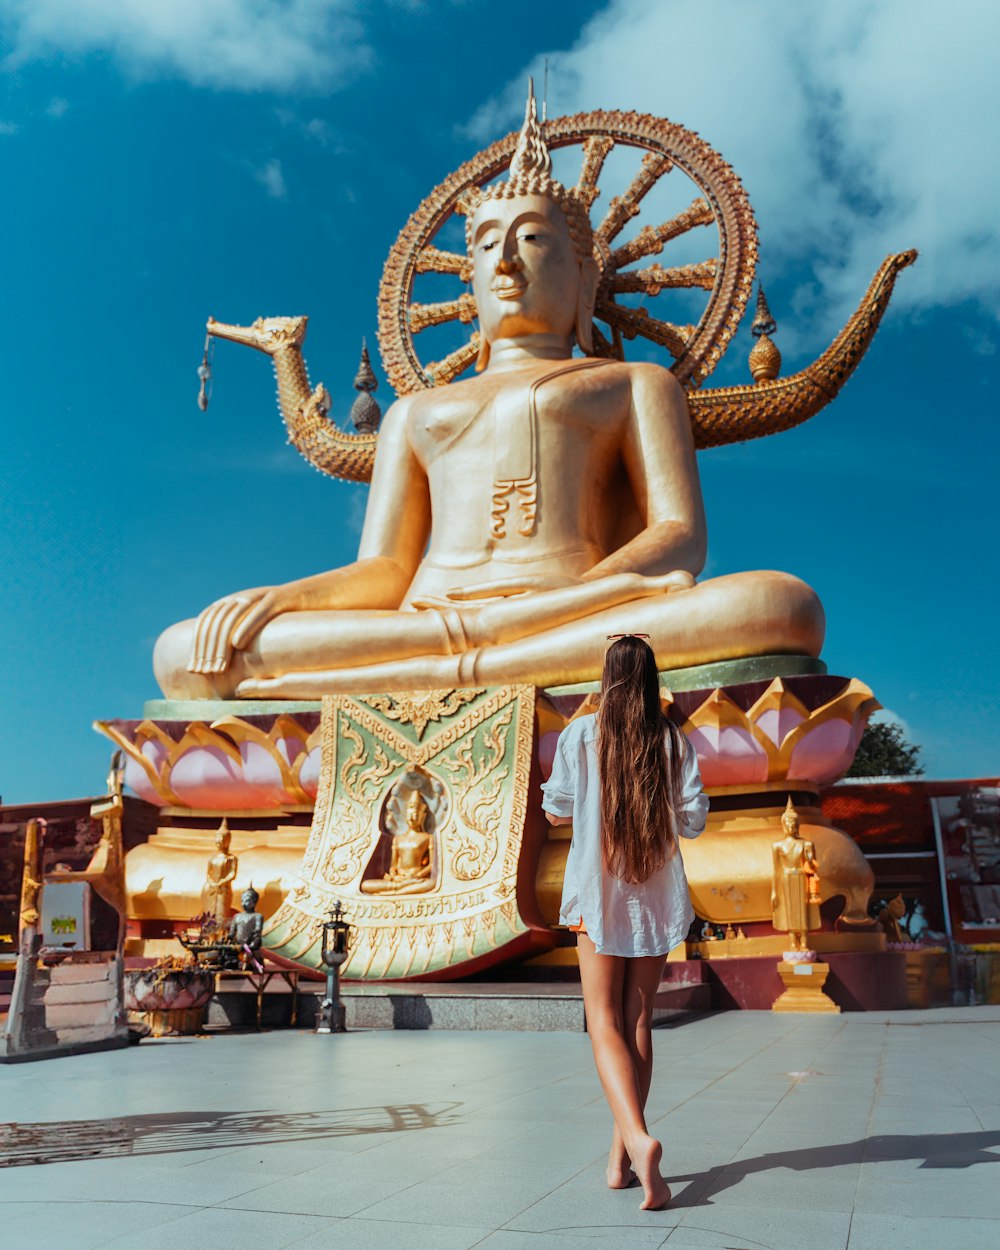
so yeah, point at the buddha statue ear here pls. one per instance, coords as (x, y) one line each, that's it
(483, 359)
(590, 276)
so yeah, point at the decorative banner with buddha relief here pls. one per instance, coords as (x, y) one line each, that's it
(418, 830)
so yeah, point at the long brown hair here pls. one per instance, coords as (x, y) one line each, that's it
(639, 788)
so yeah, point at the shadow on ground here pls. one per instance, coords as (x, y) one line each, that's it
(66, 1141)
(941, 1150)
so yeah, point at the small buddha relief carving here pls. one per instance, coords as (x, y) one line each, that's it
(412, 816)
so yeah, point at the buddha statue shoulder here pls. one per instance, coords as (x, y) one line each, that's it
(515, 517)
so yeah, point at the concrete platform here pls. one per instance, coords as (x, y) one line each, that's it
(854, 1132)
(515, 1006)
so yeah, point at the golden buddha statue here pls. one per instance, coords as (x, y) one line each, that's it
(516, 517)
(411, 866)
(795, 883)
(219, 877)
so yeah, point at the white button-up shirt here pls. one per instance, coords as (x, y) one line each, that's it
(622, 918)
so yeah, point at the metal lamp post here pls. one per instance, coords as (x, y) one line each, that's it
(335, 932)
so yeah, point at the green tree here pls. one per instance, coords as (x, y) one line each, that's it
(884, 752)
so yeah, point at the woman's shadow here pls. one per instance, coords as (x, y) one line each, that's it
(937, 1150)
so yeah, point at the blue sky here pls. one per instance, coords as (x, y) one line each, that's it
(163, 163)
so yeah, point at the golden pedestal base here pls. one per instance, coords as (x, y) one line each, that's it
(803, 988)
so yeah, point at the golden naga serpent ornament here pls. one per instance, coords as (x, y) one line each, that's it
(718, 416)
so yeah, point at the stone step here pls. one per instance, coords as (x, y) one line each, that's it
(507, 1006)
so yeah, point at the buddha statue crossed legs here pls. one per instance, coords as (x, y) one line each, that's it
(514, 518)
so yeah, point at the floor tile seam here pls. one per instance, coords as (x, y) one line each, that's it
(331, 1220)
(717, 1079)
(419, 1184)
(103, 1202)
(579, 1172)
(791, 1088)
(218, 1206)
(868, 1126)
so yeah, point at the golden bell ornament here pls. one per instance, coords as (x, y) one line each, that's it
(764, 360)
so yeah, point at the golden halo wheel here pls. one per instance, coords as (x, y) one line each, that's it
(726, 277)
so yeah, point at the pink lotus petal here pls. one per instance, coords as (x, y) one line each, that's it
(309, 772)
(824, 753)
(261, 772)
(138, 782)
(205, 776)
(779, 722)
(729, 756)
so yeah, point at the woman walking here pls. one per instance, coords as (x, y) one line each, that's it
(628, 781)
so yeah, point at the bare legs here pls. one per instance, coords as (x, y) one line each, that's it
(618, 996)
(641, 984)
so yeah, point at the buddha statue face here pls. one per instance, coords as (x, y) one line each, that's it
(790, 821)
(527, 277)
(416, 812)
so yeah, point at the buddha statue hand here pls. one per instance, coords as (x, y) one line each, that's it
(233, 617)
(232, 622)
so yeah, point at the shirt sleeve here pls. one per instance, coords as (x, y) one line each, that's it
(693, 811)
(559, 791)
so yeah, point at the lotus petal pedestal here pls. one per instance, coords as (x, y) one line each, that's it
(763, 728)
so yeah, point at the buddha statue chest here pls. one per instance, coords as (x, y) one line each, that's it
(529, 458)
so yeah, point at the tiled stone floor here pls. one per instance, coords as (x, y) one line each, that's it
(855, 1132)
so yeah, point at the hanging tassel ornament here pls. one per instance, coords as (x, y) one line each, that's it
(205, 374)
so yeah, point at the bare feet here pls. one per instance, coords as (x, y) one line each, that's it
(620, 1174)
(646, 1154)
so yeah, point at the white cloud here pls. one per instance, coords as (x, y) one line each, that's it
(885, 716)
(271, 178)
(9, 128)
(245, 45)
(858, 129)
(57, 106)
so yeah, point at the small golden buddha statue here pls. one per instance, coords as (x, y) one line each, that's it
(411, 867)
(219, 877)
(795, 882)
(515, 518)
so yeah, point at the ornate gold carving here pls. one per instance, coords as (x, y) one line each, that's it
(442, 372)
(484, 745)
(420, 707)
(595, 152)
(477, 792)
(361, 788)
(422, 316)
(655, 279)
(625, 206)
(735, 413)
(432, 260)
(304, 410)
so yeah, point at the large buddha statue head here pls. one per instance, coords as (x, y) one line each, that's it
(532, 248)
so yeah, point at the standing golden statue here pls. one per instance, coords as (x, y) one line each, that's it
(411, 867)
(517, 517)
(795, 886)
(31, 879)
(219, 878)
